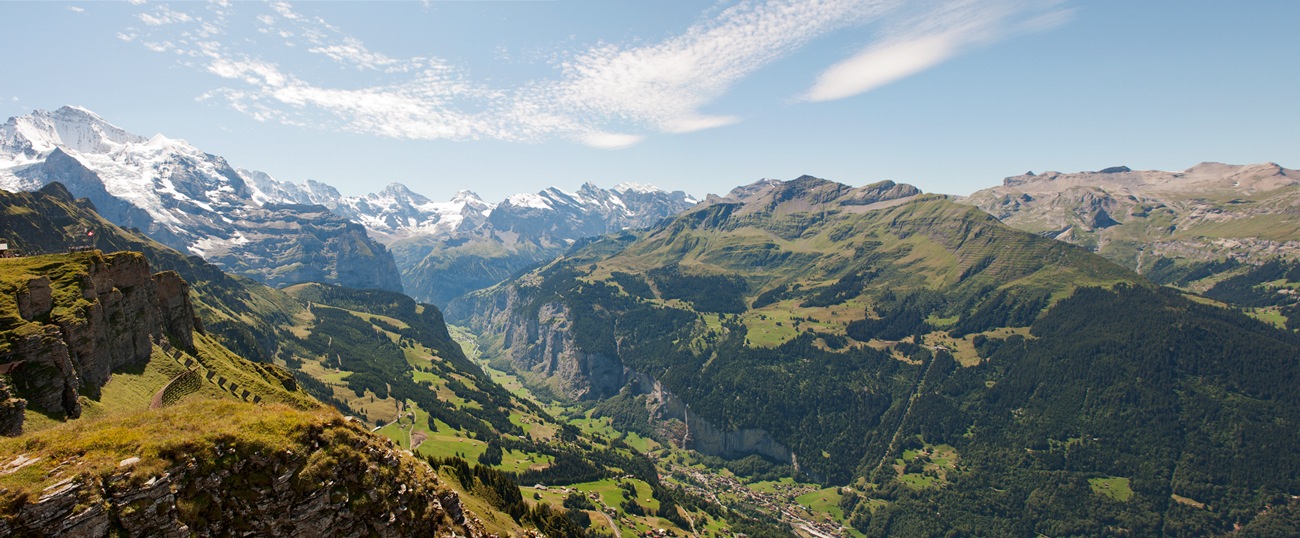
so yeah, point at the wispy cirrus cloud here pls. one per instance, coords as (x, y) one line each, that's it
(609, 95)
(930, 39)
(664, 85)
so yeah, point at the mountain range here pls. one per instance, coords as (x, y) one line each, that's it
(794, 357)
(189, 200)
(283, 233)
(445, 249)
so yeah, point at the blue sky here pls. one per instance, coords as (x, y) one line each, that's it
(514, 96)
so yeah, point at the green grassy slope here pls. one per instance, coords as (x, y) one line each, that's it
(850, 334)
(376, 355)
(425, 394)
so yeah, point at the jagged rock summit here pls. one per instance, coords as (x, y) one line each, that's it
(187, 199)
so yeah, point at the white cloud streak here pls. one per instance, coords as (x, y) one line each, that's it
(605, 96)
(164, 15)
(666, 84)
(924, 42)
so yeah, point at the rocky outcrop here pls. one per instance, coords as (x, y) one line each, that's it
(340, 482)
(808, 193)
(108, 312)
(37, 300)
(11, 411)
(46, 377)
(175, 310)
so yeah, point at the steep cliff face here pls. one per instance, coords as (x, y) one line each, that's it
(543, 344)
(700, 434)
(261, 471)
(11, 411)
(78, 317)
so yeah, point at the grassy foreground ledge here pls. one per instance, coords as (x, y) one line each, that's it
(220, 467)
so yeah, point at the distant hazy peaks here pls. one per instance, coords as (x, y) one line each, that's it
(399, 192)
(1211, 169)
(627, 186)
(466, 196)
(1202, 177)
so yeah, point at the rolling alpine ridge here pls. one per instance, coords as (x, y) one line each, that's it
(922, 355)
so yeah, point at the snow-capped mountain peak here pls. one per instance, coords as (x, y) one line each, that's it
(190, 200)
(635, 187)
(399, 193)
(26, 138)
(467, 196)
(530, 200)
(163, 181)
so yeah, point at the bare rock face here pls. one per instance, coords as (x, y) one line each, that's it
(175, 308)
(47, 377)
(705, 438)
(121, 311)
(543, 344)
(700, 434)
(37, 300)
(11, 411)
